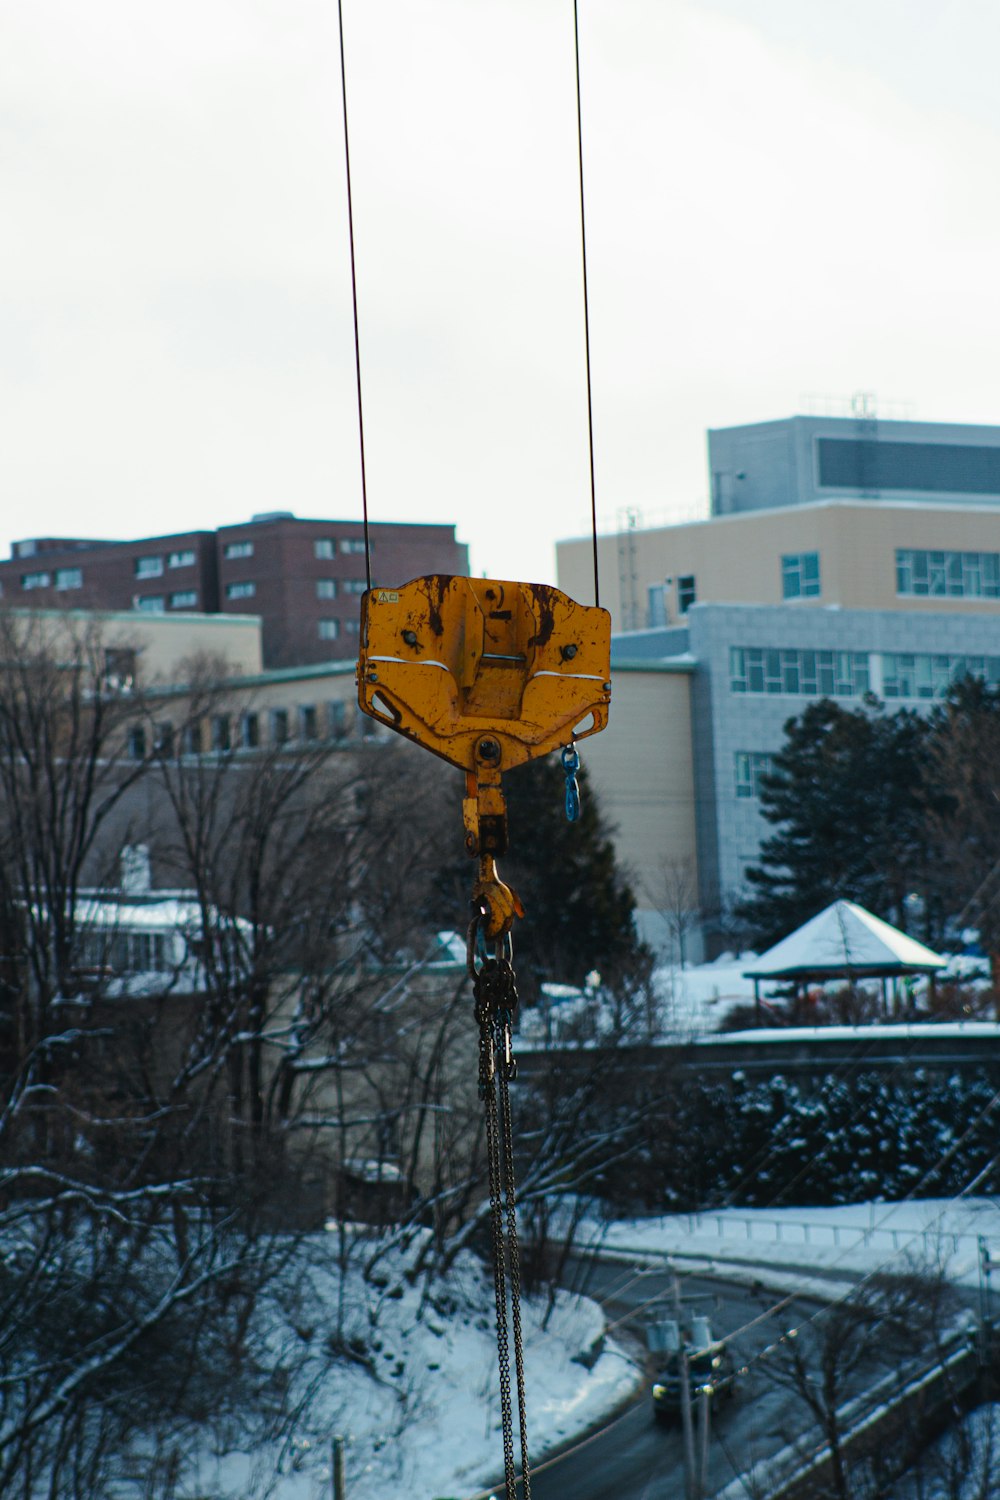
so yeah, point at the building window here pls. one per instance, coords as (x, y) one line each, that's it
(152, 604)
(191, 738)
(35, 580)
(220, 733)
(934, 468)
(163, 738)
(149, 567)
(326, 588)
(137, 742)
(329, 630)
(656, 613)
(127, 952)
(69, 578)
(250, 730)
(812, 674)
(685, 593)
(184, 559)
(240, 590)
(336, 720)
(911, 674)
(751, 765)
(119, 669)
(954, 575)
(352, 544)
(186, 599)
(351, 627)
(234, 550)
(800, 575)
(279, 726)
(324, 547)
(353, 585)
(308, 722)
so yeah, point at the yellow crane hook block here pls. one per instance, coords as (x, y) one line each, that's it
(488, 675)
(451, 662)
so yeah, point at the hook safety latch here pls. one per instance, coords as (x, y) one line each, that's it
(571, 764)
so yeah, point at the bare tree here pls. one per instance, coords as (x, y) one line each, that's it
(674, 894)
(888, 1325)
(142, 1209)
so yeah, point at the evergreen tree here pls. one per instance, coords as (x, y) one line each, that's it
(579, 907)
(962, 790)
(846, 797)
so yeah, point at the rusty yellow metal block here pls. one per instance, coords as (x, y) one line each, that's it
(457, 663)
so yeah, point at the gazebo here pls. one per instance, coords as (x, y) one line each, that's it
(844, 942)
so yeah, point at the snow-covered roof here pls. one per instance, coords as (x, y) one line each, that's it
(845, 939)
(168, 915)
(175, 911)
(373, 1170)
(451, 946)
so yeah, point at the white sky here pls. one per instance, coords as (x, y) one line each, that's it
(785, 199)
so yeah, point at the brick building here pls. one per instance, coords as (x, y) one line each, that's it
(302, 577)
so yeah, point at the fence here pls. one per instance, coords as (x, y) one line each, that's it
(758, 1229)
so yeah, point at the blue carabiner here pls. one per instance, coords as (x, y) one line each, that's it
(570, 765)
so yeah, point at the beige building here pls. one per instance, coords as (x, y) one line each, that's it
(174, 662)
(855, 554)
(150, 649)
(642, 768)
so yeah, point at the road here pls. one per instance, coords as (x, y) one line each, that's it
(633, 1457)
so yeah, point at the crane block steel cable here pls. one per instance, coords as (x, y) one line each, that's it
(354, 296)
(488, 675)
(586, 302)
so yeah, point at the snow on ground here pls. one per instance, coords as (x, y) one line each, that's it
(695, 999)
(691, 1001)
(418, 1404)
(851, 1239)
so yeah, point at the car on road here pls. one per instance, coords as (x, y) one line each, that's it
(708, 1363)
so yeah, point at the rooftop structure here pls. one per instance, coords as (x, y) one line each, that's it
(799, 460)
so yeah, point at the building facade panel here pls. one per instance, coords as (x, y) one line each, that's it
(844, 553)
(641, 768)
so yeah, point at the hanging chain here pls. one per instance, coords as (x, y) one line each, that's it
(495, 993)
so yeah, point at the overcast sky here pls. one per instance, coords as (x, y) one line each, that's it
(788, 201)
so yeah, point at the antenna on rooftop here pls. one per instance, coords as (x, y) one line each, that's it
(864, 407)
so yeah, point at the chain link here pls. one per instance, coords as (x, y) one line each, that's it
(507, 1136)
(495, 994)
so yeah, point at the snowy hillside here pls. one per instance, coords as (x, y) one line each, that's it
(410, 1381)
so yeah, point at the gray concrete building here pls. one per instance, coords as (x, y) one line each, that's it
(800, 460)
(747, 669)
